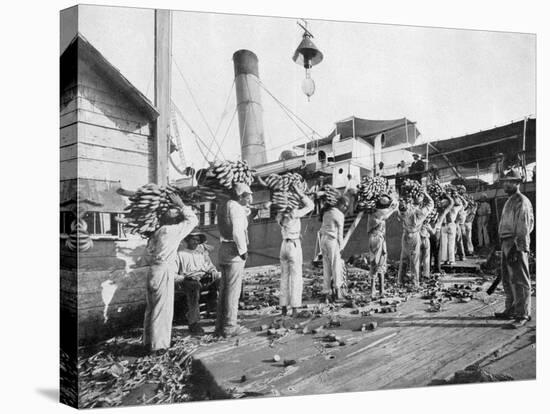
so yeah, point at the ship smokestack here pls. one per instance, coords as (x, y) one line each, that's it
(249, 107)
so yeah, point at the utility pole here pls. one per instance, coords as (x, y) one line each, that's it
(163, 47)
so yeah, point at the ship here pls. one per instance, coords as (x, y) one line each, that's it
(357, 148)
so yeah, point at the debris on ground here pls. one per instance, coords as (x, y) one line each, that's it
(121, 367)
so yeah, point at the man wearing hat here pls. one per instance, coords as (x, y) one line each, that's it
(515, 227)
(483, 214)
(232, 224)
(195, 272)
(417, 168)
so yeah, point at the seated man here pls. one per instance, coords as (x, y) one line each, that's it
(196, 272)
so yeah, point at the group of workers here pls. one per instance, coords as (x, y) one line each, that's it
(428, 238)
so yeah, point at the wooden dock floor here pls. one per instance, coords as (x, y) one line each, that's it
(410, 348)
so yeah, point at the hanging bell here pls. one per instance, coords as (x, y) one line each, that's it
(307, 54)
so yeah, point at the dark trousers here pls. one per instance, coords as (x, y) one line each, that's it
(516, 281)
(191, 290)
(435, 240)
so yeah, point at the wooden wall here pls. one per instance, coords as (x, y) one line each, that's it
(103, 137)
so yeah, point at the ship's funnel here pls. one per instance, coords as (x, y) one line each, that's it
(249, 107)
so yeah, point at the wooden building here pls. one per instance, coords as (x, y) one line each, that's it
(107, 141)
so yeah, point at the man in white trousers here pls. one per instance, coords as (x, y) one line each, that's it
(332, 244)
(448, 233)
(412, 215)
(291, 254)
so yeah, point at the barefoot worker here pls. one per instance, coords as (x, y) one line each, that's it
(332, 244)
(291, 254)
(376, 236)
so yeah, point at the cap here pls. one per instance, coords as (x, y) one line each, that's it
(242, 188)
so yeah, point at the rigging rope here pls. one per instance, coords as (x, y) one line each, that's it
(288, 111)
(197, 137)
(195, 102)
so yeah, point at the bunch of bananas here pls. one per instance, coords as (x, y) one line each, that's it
(370, 190)
(331, 195)
(228, 173)
(410, 189)
(436, 192)
(146, 207)
(79, 238)
(451, 190)
(282, 195)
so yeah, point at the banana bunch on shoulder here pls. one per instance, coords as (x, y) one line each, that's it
(283, 194)
(147, 205)
(330, 195)
(79, 239)
(370, 190)
(228, 173)
(410, 189)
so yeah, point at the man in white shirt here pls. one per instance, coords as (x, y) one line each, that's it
(195, 272)
(332, 244)
(232, 224)
(291, 254)
(163, 244)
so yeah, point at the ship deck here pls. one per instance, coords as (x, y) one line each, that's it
(410, 348)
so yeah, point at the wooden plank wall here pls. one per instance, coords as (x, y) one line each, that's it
(104, 137)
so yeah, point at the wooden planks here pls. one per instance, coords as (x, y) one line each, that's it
(105, 137)
(409, 349)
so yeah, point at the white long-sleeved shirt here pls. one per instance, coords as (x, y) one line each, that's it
(290, 223)
(517, 221)
(233, 225)
(193, 262)
(164, 243)
(333, 225)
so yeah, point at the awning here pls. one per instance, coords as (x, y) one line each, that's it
(479, 150)
(396, 131)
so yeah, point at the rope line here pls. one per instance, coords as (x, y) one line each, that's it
(195, 102)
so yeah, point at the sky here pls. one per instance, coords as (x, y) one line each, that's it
(451, 82)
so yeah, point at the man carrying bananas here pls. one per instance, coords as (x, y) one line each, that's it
(291, 253)
(444, 207)
(460, 221)
(232, 224)
(448, 231)
(175, 225)
(376, 232)
(332, 244)
(470, 216)
(412, 215)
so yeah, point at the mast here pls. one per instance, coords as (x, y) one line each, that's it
(162, 80)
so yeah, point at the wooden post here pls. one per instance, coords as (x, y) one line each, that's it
(163, 47)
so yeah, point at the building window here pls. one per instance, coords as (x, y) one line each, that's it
(98, 223)
(322, 156)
